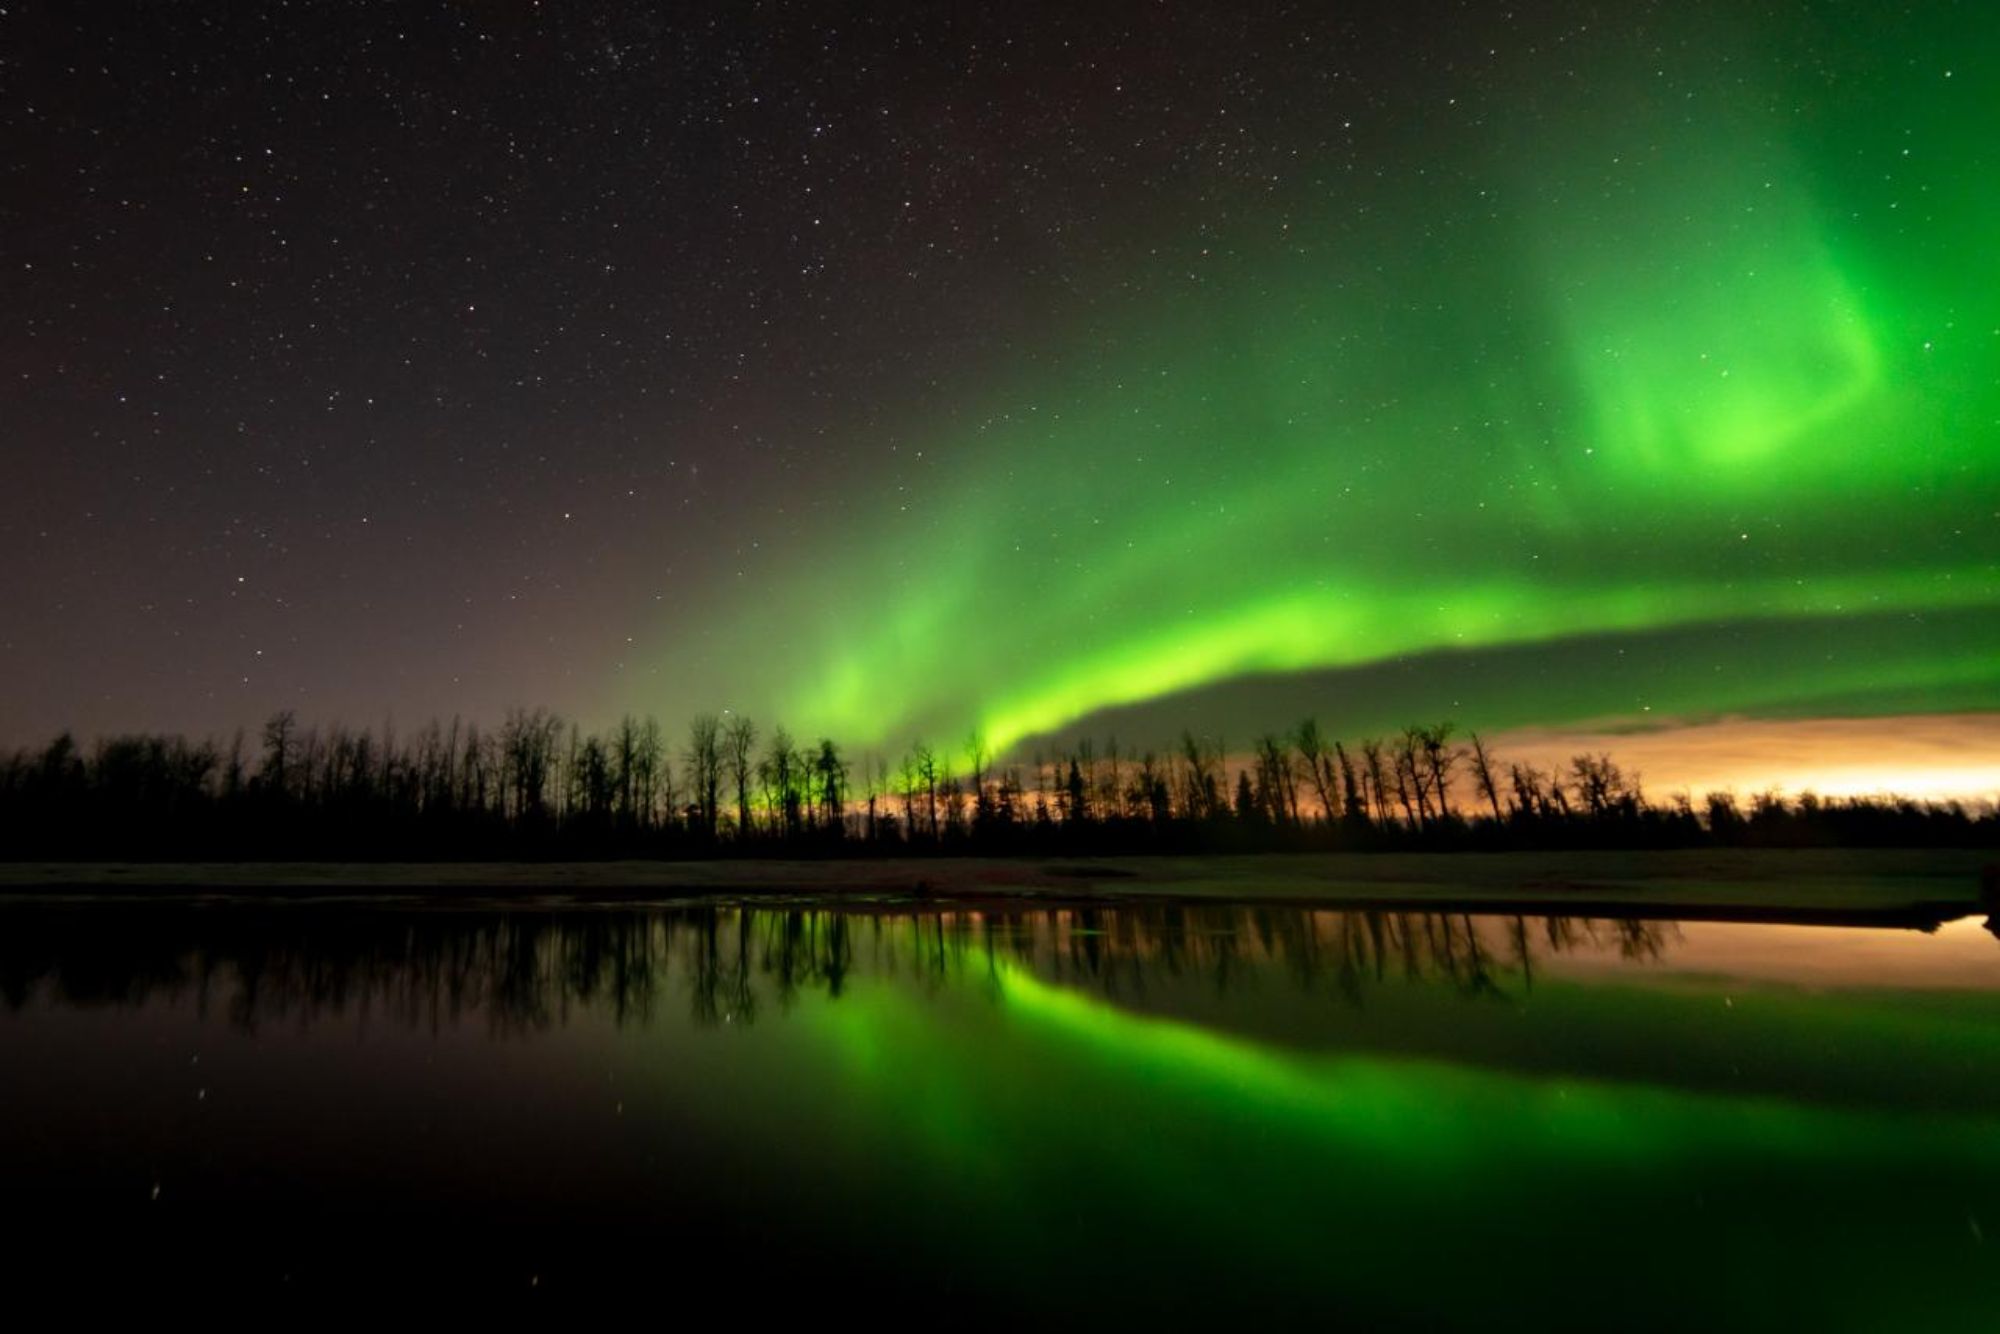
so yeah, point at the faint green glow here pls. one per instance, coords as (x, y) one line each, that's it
(1734, 391)
(1709, 342)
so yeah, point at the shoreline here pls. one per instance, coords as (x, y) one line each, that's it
(1832, 885)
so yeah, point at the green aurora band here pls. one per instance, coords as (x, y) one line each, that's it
(1706, 344)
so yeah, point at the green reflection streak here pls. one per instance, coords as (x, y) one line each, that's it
(1692, 354)
(1437, 1115)
(1432, 1114)
(1059, 1129)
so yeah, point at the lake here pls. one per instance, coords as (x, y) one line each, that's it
(1147, 1112)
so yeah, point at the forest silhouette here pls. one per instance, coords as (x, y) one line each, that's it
(538, 788)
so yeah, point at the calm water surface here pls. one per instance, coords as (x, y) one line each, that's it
(1071, 1116)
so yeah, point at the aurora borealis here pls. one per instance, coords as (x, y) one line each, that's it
(1066, 370)
(1706, 357)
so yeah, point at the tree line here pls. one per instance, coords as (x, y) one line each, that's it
(537, 786)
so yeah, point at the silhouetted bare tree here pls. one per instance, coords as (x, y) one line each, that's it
(1483, 780)
(703, 761)
(739, 739)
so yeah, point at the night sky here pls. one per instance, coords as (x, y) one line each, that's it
(896, 369)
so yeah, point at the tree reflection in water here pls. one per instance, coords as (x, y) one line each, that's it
(520, 970)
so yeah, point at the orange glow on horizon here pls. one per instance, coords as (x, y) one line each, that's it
(1932, 757)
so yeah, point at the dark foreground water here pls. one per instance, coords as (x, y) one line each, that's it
(1143, 1114)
